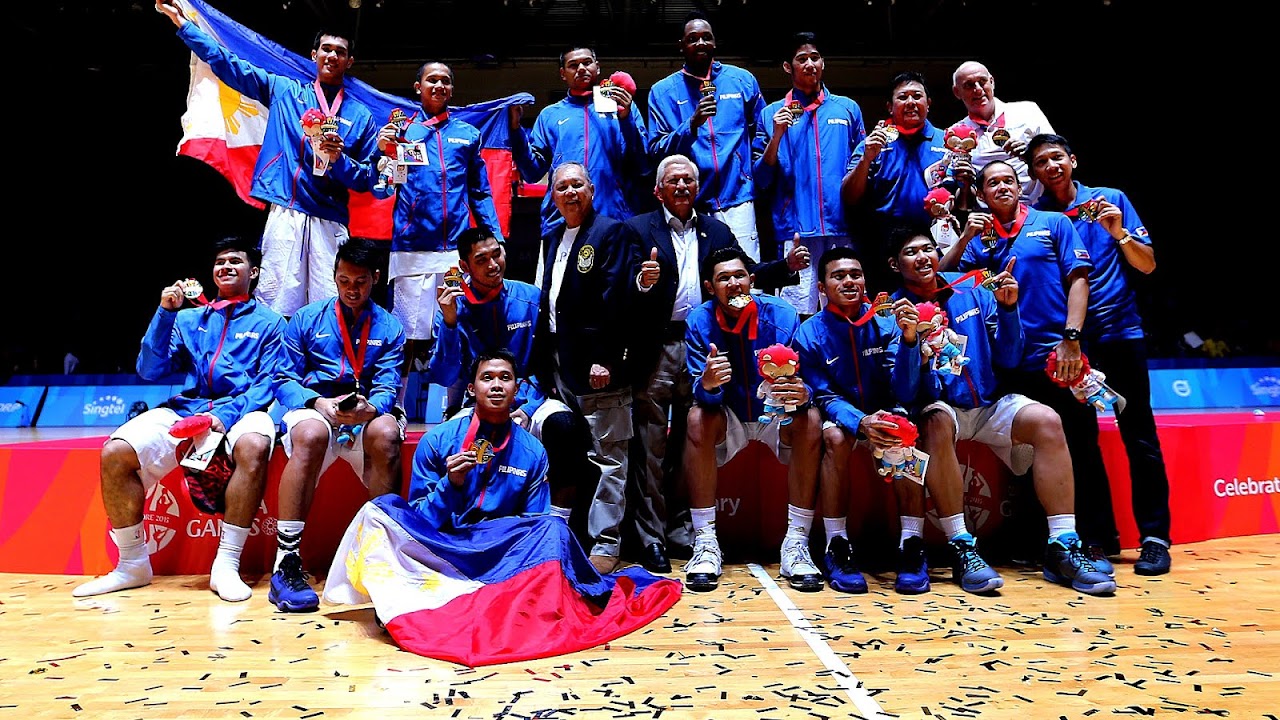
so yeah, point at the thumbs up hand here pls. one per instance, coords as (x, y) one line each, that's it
(718, 370)
(650, 270)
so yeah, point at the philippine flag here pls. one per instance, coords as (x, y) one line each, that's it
(224, 129)
(504, 590)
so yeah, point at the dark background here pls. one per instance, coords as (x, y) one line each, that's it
(96, 233)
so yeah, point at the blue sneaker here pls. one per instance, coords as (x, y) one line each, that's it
(1098, 557)
(842, 571)
(913, 571)
(290, 591)
(970, 570)
(1066, 563)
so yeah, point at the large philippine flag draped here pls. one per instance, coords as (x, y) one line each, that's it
(224, 129)
(507, 589)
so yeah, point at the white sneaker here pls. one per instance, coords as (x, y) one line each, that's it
(703, 570)
(798, 566)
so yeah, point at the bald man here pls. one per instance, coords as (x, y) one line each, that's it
(1004, 128)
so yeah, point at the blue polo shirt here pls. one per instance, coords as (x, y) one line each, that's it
(1113, 306)
(898, 180)
(1048, 251)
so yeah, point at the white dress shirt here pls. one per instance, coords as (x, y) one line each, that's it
(684, 239)
(558, 266)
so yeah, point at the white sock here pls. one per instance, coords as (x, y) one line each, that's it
(835, 528)
(703, 519)
(133, 570)
(224, 578)
(1154, 539)
(1060, 525)
(953, 526)
(799, 520)
(560, 512)
(288, 539)
(911, 527)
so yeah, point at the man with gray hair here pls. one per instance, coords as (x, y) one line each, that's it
(674, 241)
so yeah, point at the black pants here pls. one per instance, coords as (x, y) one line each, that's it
(1124, 362)
(1095, 519)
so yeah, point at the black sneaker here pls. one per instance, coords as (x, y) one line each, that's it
(913, 570)
(1153, 560)
(842, 571)
(290, 591)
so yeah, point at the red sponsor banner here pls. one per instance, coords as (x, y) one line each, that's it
(1222, 468)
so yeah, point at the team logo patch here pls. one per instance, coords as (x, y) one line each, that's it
(1082, 254)
(586, 259)
(1141, 231)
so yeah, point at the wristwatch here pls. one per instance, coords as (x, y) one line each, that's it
(1126, 239)
(1070, 333)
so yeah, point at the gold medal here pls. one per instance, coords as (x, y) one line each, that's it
(1000, 136)
(882, 305)
(1089, 211)
(191, 288)
(890, 132)
(738, 302)
(707, 88)
(483, 450)
(330, 125)
(453, 278)
(795, 108)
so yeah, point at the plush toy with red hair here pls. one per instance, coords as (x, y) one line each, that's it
(901, 461)
(938, 340)
(1090, 388)
(773, 362)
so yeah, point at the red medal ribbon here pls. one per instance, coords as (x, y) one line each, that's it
(474, 428)
(1017, 224)
(822, 96)
(1075, 211)
(902, 130)
(975, 275)
(356, 360)
(434, 119)
(750, 314)
(219, 304)
(477, 300)
(329, 111)
(984, 126)
(866, 317)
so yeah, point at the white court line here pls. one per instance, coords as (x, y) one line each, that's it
(839, 670)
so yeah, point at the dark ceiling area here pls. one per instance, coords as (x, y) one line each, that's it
(410, 30)
(1117, 78)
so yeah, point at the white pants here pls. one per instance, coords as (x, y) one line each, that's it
(992, 426)
(298, 252)
(157, 450)
(741, 219)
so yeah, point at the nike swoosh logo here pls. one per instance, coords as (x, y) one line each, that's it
(831, 360)
(563, 121)
(200, 329)
(321, 336)
(681, 102)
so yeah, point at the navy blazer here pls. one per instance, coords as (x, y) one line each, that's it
(653, 308)
(593, 309)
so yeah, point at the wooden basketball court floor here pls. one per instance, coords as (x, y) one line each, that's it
(1203, 641)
